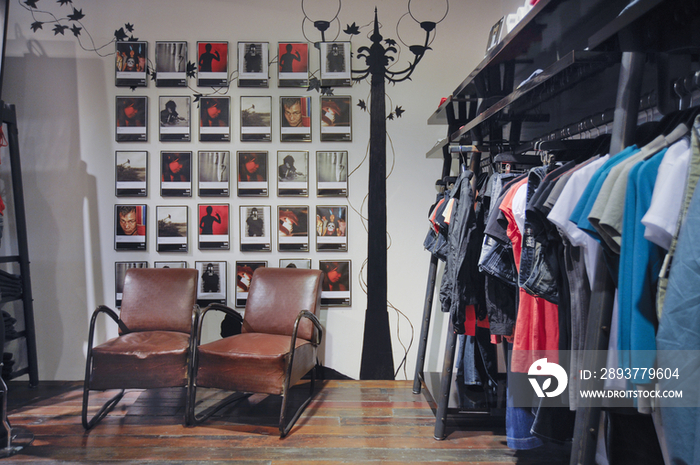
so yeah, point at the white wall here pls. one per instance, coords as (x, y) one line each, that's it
(65, 102)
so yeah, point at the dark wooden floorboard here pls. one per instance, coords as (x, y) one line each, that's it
(353, 422)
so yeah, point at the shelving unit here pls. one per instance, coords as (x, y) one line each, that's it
(602, 61)
(26, 315)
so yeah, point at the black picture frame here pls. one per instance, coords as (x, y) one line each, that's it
(293, 173)
(336, 289)
(252, 173)
(175, 174)
(213, 282)
(256, 119)
(332, 173)
(131, 64)
(172, 230)
(213, 226)
(255, 227)
(215, 119)
(131, 122)
(174, 118)
(495, 34)
(302, 263)
(119, 275)
(214, 173)
(244, 275)
(336, 118)
(171, 63)
(253, 64)
(212, 64)
(130, 227)
(170, 264)
(293, 64)
(131, 173)
(293, 228)
(336, 69)
(331, 228)
(295, 119)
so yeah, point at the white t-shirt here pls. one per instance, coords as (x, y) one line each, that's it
(666, 201)
(565, 204)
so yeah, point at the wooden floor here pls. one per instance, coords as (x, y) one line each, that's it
(354, 422)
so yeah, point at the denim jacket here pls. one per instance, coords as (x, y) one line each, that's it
(462, 285)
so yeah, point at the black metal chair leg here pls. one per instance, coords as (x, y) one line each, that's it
(191, 416)
(106, 408)
(284, 430)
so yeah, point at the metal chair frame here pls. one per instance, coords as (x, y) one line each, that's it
(284, 427)
(111, 403)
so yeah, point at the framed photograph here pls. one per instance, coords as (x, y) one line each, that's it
(255, 228)
(252, 174)
(131, 173)
(212, 64)
(253, 64)
(332, 174)
(174, 120)
(172, 229)
(132, 119)
(176, 264)
(331, 228)
(292, 174)
(336, 119)
(256, 119)
(212, 282)
(119, 275)
(296, 119)
(335, 290)
(244, 275)
(131, 68)
(302, 263)
(213, 226)
(176, 174)
(171, 64)
(335, 64)
(293, 228)
(215, 119)
(214, 174)
(495, 35)
(293, 64)
(130, 227)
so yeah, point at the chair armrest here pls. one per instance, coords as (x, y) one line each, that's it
(215, 306)
(110, 313)
(314, 320)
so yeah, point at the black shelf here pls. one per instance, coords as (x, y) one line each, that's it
(626, 18)
(562, 75)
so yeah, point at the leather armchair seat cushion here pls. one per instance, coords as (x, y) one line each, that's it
(141, 360)
(252, 362)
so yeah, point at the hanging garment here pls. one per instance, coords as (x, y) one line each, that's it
(678, 335)
(537, 324)
(666, 202)
(691, 183)
(461, 285)
(606, 214)
(640, 261)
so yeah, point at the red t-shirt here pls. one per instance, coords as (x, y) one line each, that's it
(536, 333)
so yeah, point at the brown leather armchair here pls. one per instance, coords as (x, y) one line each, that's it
(156, 324)
(276, 348)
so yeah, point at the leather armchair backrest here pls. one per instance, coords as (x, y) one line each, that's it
(275, 298)
(159, 299)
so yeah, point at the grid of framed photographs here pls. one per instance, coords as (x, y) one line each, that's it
(208, 173)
